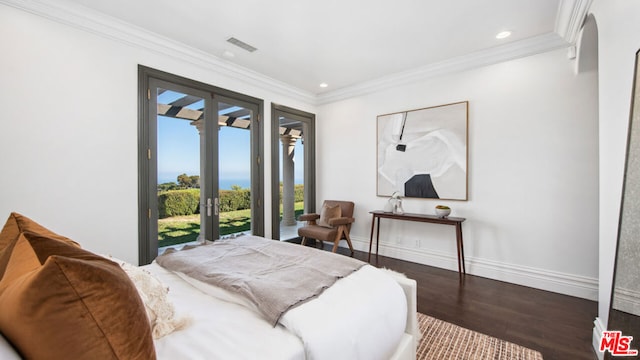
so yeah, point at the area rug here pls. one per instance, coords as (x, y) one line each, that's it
(442, 340)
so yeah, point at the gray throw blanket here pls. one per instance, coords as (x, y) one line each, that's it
(274, 275)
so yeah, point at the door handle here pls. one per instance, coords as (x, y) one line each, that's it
(215, 205)
(209, 205)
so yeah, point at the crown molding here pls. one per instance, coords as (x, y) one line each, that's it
(513, 50)
(570, 18)
(86, 19)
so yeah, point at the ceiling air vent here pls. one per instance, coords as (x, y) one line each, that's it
(241, 44)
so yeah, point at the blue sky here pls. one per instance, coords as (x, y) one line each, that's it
(179, 149)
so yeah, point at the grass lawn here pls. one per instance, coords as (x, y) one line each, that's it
(182, 229)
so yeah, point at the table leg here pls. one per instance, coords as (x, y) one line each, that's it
(373, 222)
(377, 238)
(462, 269)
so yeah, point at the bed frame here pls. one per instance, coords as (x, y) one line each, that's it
(407, 348)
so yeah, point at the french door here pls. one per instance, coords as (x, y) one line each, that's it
(198, 144)
(185, 164)
(293, 169)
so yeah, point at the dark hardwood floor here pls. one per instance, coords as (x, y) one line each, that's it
(559, 326)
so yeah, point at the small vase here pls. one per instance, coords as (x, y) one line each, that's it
(397, 208)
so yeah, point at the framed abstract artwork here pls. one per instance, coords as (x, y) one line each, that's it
(423, 153)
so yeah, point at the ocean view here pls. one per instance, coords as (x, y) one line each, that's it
(225, 184)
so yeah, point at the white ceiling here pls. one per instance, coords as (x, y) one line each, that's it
(341, 42)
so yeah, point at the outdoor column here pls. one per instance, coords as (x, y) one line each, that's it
(288, 182)
(199, 124)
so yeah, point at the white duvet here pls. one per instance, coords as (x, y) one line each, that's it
(362, 316)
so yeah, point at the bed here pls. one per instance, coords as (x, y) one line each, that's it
(368, 314)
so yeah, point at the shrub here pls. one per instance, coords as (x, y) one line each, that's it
(178, 202)
(167, 186)
(238, 199)
(298, 192)
(187, 201)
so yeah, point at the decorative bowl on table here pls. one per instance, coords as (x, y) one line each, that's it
(442, 211)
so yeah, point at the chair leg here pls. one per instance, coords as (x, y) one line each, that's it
(304, 240)
(346, 235)
(335, 246)
(336, 241)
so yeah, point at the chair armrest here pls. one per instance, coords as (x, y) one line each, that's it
(308, 217)
(341, 221)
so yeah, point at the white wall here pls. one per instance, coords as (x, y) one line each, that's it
(532, 214)
(68, 135)
(618, 40)
(68, 128)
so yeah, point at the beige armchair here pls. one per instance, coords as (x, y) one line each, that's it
(332, 224)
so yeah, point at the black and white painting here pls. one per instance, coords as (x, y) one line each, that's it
(423, 153)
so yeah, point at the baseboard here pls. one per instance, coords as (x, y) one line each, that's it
(568, 284)
(597, 336)
(627, 300)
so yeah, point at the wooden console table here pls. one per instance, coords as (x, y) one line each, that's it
(455, 221)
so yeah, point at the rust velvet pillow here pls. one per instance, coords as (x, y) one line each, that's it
(62, 302)
(329, 212)
(17, 223)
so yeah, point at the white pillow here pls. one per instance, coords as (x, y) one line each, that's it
(153, 293)
(7, 352)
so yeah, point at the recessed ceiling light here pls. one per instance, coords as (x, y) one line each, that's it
(228, 54)
(324, 85)
(503, 34)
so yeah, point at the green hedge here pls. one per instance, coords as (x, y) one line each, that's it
(298, 193)
(178, 202)
(187, 201)
(231, 200)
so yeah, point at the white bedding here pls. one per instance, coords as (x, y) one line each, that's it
(359, 317)
(219, 329)
(362, 316)
(7, 352)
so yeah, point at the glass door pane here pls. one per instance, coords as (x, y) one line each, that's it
(179, 167)
(183, 166)
(234, 167)
(291, 176)
(293, 169)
